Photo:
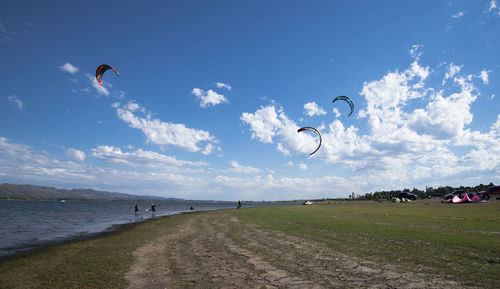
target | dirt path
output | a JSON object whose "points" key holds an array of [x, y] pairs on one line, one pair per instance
{"points": [[216, 251]]}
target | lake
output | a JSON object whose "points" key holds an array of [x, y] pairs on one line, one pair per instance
{"points": [[28, 225]]}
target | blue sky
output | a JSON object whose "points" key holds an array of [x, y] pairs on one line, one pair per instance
{"points": [[211, 94]]}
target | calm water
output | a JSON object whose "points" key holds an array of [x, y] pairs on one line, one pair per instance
{"points": [[26, 225]]}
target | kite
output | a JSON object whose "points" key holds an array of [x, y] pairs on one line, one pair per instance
{"points": [[348, 100], [100, 71], [316, 131]]}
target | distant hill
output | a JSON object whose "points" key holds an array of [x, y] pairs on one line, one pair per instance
{"points": [[32, 192]]}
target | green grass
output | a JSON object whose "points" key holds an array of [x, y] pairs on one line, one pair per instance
{"points": [[95, 263], [460, 240]]}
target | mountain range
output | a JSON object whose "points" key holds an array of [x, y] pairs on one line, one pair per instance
{"points": [[33, 192]]}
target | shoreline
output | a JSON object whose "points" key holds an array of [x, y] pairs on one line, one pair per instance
{"points": [[113, 229], [334, 245], [11, 251], [28, 250]]}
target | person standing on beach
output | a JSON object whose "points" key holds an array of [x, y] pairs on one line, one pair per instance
{"points": [[136, 209], [239, 204], [153, 210]]}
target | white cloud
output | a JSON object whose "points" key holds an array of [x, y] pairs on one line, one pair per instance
{"points": [[223, 85], [165, 133], [140, 158], [282, 149], [68, 67], [15, 100], [127, 175], [100, 89], [493, 8], [415, 51], [236, 167], [209, 148], [452, 71], [209, 97], [266, 124], [301, 166], [40, 167], [133, 107], [263, 123], [311, 109], [336, 112], [75, 154], [404, 144], [484, 76], [457, 15], [4, 34], [21, 160]]}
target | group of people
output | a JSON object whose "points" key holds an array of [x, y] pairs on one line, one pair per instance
{"points": [[153, 209]]}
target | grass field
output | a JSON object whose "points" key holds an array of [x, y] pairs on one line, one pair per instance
{"points": [[460, 241], [457, 240]]}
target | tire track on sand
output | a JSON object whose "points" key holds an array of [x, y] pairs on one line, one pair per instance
{"points": [[200, 254], [151, 268]]}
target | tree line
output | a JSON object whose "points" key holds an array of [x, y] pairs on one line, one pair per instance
{"points": [[429, 192]]}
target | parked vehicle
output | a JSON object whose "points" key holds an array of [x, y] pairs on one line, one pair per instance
{"points": [[406, 195], [493, 191], [460, 194]]}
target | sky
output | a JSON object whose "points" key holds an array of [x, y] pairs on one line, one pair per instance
{"points": [[211, 94]]}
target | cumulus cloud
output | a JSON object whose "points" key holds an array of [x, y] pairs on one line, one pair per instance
{"points": [[16, 101], [164, 133], [208, 98], [264, 123], [270, 122], [312, 109], [303, 166], [406, 142], [69, 68], [223, 85], [75, 154]]}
